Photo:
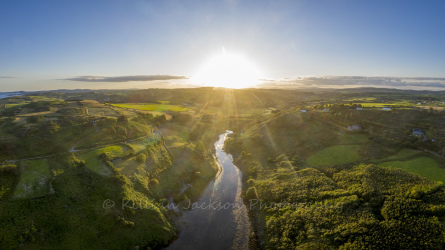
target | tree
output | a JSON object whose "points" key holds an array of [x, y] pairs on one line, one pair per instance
{"points": [[154, 182], [251, 193], [141, 158]]}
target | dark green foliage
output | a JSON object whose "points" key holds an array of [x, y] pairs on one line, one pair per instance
{"points": [[141, 158], [251, 182], [251, 193], [8, 169], [35, 119], [105, 156], [365, 207], [182, 118], [154, 182], [122, 119], [50, 128], [75, 216]]}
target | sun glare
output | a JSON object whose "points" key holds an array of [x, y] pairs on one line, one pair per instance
{"points": [[228, 71]]}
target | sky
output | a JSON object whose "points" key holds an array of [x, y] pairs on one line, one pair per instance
{"points": [[103, 44]]}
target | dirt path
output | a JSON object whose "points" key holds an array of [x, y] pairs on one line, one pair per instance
{"points": [[32, 158], [163, 141]]}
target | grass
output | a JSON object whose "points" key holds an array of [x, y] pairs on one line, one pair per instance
{"points": [[7, 106], [423, 166], [174, 141], [134, 130], [351, 138], [142, 144], [43, 98], [384, 104], [95, 164], [334, 155], [402, 154], [363, 99], [102, 111], [430, 134], [164, 102], [34, 180], [128, 167], [151, 107]]}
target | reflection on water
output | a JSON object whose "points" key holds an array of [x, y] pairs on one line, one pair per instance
{"points": [[219, 219]]}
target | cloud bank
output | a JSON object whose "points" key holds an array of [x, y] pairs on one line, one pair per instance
{"points": [[124, 78], [359, 81]]}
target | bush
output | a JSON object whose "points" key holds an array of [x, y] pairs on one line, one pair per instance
{"points": [[286, 164], [35, 119], [9, 169], [141, 158], [251, 182], [105, 156], [251, 193], [154, 182]]}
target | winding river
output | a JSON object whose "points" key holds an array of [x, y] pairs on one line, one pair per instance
{"points": [[218, 220]]}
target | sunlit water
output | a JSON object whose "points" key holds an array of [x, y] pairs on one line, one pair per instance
{"points": [[9, 94], [219, 219]]}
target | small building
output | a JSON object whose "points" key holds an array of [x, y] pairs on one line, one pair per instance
{"points": [[325, 110], [354, 127], [303, 110], [386, 108], [417, 132], [359, 108]]}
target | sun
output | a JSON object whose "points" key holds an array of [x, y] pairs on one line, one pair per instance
{"points": [[228, 71]]}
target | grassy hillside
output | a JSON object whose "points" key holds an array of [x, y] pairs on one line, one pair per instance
{"points": [[110, 191], [151, 107], [79, 214], [34, 180], [423, 166], [334, 155]]}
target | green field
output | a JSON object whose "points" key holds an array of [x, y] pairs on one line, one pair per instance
{"points": [[362, 99], [164, 102], [34, 180], [402, 154], [11, 105], [95, 164], [352, 138], [43, 98], [142, 144], [384, 104], [151, 107], [127, 167], [423, 166], [334, 155]]}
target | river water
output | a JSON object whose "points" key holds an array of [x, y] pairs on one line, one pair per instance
{"points": [[219, 218]]}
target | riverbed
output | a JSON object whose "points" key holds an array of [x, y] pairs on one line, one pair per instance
{"points": [[219, 219]]}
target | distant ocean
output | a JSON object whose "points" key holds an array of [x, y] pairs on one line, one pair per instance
{"points": [[9, 94]]}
